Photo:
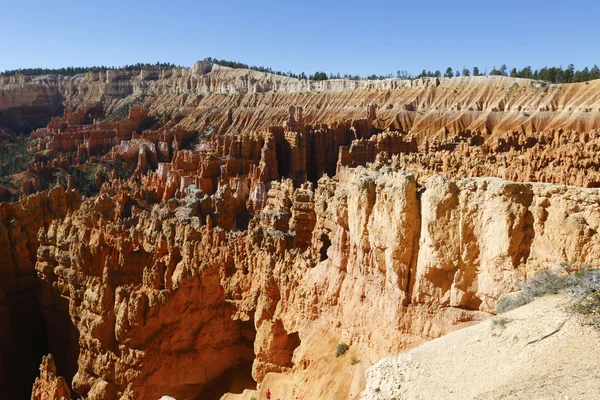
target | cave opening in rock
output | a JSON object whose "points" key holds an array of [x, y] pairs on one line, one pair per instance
{"points": [[293, 342], [235, 380], [63, 338], [311, 163], [283, 153], [239, 377], [30, 331], [325, 243], [242, 219]]}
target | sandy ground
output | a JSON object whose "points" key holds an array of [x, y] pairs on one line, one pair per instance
{"points": [[329, 377], [539, 351]]}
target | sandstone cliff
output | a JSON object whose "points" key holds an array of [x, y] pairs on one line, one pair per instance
{"points": [[23, 337], [237, 100], [148, 293], [19, 226]]}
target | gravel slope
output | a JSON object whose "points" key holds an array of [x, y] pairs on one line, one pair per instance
{"points": [[539, 351]]}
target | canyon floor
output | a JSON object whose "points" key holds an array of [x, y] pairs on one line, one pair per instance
{"points": [[211, 233]]}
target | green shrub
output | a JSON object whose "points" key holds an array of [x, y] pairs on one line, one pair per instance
{"points": [[509, 302], [121, 111], [15, 156], [544, 282], [355, 360], [500, 322], [589, 304], [583, 285], [587, 292], [341, 349]]}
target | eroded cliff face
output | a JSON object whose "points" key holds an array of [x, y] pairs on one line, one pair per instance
{"points": [[19, 226], [166, 303], [237, 100], [506, 230]]}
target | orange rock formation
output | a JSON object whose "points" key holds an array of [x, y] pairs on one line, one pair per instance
{"points": [[49, 386], [23, 335], [375, 256]]}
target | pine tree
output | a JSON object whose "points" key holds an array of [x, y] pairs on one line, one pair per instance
{"points": [[569, 74], [495, 71]]}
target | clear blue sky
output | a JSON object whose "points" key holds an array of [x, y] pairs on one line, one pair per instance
{"points": [[358, 37]]}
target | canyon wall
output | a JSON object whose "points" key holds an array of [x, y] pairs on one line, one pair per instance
{"points": [[481, 236], [165, 302], [19, 226], [238, 100]]}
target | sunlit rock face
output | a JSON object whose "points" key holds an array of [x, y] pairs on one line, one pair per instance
{"points": [[369, 252]]}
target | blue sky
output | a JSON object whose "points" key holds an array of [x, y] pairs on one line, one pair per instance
{"points": [[357, 37]]}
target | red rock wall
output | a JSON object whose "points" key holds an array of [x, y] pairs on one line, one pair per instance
{"points": [[161, 287], [19, 226]]}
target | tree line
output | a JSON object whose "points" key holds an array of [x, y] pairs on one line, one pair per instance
{"points": [[70, 71], [548, 74], [552, 74]]}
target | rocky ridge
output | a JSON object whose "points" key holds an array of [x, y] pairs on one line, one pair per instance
{"points": [[238, 100]]}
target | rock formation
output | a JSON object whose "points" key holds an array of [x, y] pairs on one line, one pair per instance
{"points": [[425, 107], [19, 226], [375, 257], [24, 334], [49, 386]]}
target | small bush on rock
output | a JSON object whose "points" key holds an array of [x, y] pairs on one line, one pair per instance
{"points": [[500, 322], [583, 283], [545, 282], [341, 349]]}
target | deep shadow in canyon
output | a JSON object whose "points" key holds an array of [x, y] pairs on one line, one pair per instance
{"points": [[29, 333]]}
